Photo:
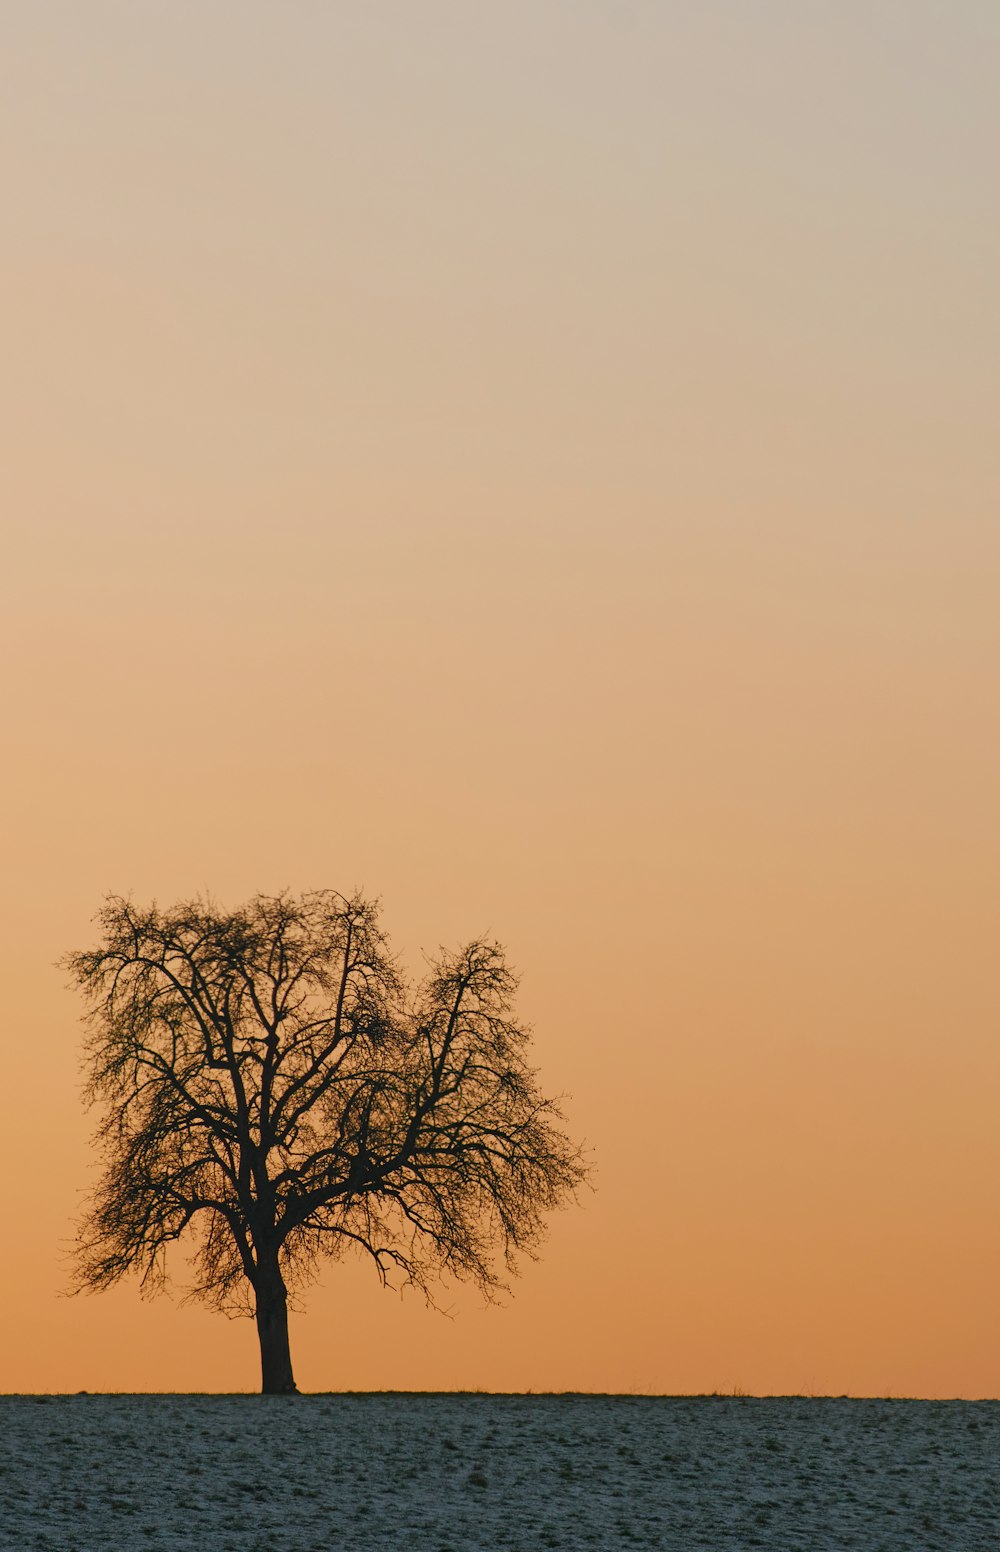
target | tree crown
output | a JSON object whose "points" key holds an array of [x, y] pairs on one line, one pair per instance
{"points": [[268, 1079]]}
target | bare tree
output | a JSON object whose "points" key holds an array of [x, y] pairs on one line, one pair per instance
{"points": [[267, 1079]]}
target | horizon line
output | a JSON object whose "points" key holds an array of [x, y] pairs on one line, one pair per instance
{"points": [[735, 1394]]}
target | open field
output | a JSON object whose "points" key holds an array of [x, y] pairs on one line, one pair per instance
{"points": [[448, 1473]]}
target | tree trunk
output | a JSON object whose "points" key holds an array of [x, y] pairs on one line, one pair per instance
{"points": [[272, 1329]]}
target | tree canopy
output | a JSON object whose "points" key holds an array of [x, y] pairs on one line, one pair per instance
{"points": [[272, 1087]]}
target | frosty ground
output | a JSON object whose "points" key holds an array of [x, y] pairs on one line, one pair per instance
{"points": [[456, 1473]]}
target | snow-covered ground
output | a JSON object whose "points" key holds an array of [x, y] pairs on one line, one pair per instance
{"points": [[457, 1473]]}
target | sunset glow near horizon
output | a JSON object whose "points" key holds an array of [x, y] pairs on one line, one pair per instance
{"points": [[537, 465]]}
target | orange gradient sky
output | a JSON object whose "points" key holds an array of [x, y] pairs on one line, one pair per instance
{"points": [[536, 463]]}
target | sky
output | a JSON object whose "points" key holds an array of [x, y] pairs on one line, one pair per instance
{"points": [[536, 464]]}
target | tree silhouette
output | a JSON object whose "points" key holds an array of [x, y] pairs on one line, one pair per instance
{"points": [[268, 1081]]}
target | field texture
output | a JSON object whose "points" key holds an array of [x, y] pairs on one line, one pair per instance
{"points": [[458, 1473]]}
